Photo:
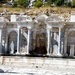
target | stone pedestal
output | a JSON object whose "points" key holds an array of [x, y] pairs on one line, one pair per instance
{"points": [[55, 48]]}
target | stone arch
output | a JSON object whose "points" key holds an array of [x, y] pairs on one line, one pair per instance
{"points": [[39, 40], [12, 29], [41, 18], [12, 36]]}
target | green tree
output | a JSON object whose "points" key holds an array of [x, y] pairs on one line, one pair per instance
{"points": [[73, 3], [14, 4], [38, 3], [23, 3], [68, 4], [49, 2], [59, 2]]}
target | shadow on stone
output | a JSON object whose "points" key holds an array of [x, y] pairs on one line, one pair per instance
{"points": [[13, 72], [30, 74], [1, 71]]}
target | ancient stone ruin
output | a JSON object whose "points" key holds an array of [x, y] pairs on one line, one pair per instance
{"points": [[52, 35]]}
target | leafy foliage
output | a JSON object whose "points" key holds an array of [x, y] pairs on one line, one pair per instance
{"points": [[14, 4], [38, 3], [49, 2], [59, 2], [73, 3], [68, 4], [23, 3]]}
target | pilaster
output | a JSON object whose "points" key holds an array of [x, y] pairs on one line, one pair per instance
{"points": [[18, 41]]}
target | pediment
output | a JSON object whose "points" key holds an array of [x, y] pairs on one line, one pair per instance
{"points": [[55, 19]]}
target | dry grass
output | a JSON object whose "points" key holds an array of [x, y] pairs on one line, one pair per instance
{"points": [[33, 9], [38, 10]]}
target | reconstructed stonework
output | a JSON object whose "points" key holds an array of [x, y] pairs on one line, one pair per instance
{"points": [[45, 35]]}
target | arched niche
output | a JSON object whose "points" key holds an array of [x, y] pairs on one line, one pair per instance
{"points": [[12, 36], [70, 40]]}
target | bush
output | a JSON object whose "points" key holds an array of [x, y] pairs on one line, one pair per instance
{"points": [[73, 3], [14, 4], [68, 4], [59, 2], [46, 5], [23, 3], [49, 2], [38, 3]]}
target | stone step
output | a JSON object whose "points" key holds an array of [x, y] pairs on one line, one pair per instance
{"points": [[37, 62]]}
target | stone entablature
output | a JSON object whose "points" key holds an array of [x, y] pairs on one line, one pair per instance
{"points": [[45, 35]]}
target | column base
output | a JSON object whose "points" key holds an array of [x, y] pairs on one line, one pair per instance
{"points": [[71, 55], [17, 52], [27, 53], [58, 54], [48, 54], [1, 53], [65, 54]]}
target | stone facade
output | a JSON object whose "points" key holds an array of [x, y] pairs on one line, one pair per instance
{"points": [[44, 35]]}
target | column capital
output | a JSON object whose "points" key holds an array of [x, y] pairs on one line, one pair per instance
{"points": [[48, 29], [29, 28], [60, 27]]}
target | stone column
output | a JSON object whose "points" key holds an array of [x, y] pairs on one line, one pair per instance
{"points": [[48, 40], [59, 42], [71, 50], [65, 44], [28, 41], [6, 44], [62, 47], [0, 41], [62, 42], [18, 41]]}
